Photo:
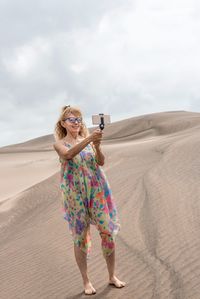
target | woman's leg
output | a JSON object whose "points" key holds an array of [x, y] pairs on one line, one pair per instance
{"points": [[81, 260], [108, 249], [110, 261]]}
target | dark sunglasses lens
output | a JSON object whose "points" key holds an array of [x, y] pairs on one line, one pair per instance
{"points": [[74, 119]]}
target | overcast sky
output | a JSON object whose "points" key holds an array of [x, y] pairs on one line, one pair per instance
{"points": [[119, 57]]}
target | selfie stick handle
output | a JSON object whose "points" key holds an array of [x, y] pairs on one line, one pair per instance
{"points": [[101, 125]]}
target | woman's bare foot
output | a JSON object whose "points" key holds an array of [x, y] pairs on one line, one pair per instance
{"points": [[116, 282], [89, 289]]}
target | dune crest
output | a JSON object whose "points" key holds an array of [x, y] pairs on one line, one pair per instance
{"points": [[152, 163]]}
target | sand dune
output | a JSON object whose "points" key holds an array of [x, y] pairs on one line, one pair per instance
{"points": [[153, 165], [21, 170]]}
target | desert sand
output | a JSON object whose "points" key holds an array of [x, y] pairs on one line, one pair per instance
{"points": [[153, 167]]}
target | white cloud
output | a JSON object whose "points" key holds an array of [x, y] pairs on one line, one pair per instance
{"points": [[26, 58], [78, 68], [119, 57]]}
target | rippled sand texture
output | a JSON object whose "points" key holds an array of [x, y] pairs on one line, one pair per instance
{"points": [[153, 166]]}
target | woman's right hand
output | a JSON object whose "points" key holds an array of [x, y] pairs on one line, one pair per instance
{"points": [[96, 135]]}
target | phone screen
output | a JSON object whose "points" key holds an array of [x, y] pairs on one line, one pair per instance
{"points": [[96, 119]]}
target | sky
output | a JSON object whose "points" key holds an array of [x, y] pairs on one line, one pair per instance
{"points": [[119, 57]]}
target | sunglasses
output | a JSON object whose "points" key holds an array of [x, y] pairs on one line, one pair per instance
{"points": [[73, 120]]}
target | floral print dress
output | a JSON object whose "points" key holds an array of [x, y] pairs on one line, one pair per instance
{"points": [[87, 199]]}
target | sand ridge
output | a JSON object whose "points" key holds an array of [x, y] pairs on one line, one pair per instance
{"points": [[152, 163]]}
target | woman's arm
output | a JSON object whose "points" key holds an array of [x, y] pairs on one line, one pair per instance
{"points": [[98, 154], [68, 154]]}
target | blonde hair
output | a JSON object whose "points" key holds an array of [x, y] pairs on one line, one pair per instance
{"points": [[60, 132]]}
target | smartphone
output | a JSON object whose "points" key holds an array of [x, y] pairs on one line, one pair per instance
{"points": [[100, 118]]}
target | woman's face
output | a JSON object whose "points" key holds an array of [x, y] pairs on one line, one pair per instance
{"points": [[72, 123]]}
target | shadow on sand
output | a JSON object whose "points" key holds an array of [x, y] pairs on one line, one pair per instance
{"points": [[100, 294]]}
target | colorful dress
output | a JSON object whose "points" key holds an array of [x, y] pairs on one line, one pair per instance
{"points": [[87, 199]]}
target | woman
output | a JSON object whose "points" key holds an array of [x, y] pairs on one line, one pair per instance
{"points": [[86, 195]]}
